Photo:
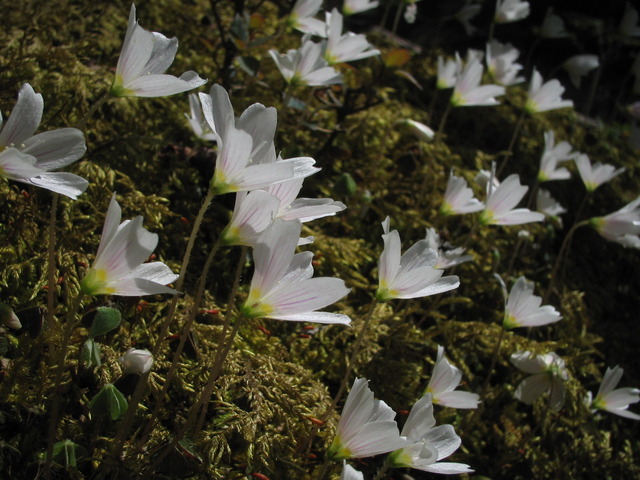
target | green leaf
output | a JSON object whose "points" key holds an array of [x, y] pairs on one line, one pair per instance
{"points": [[91, 353], [109, 401], [67, 452], [106, 319]]}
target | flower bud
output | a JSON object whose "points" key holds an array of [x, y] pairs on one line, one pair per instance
{"points": [[8, 317], [136, 361]]}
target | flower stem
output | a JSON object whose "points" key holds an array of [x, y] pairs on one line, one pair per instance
{"points": [[494, 360], [83, 121], [383, 469], [516, 132], [125, 425], [443, 121], [60, 364], [561, 254], [186, 330], [51, 274]]}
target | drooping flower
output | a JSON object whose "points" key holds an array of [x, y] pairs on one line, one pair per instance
{"points": [[595, 175], [301, 17], [136, 361], [547, 376], [468, 92], [552, 26], [118, 268], [523, 308], [448, 71], [348, 47], [501, 201], [282, 287], [466, 13], [629, 26], [546, 204], [8, 317], [622, 226], [28, 158], [458, 198], [306, 66], [580, 65], [350, 473], [429, 444], [443, 383], [446, 258], [366, 427], [351, 7], [501, 63], [508, 11], [545, 97], [615, 401], [412, 274], [553, 155], [418, 129], [144, 58]]}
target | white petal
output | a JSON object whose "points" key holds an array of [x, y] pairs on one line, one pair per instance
{"points": [[459, 399], [163, 85], [273, 254], [56, 148], [24, 119], [111, 223], [156, 272], [64, 183], [17, 165], [305, 296], [315, 317]]}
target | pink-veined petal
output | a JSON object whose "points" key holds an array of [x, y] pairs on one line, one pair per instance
{"points": [[161, 85], [56, 148], [532, 387], [273, 254]]}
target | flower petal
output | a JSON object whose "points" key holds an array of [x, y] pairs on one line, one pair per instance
{"points": [[56, 148], [24, 119]]}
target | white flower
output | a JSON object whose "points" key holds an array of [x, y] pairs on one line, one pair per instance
{"points": [[546, 204], [446, 258], [444, 380], [28, 158], [458, 198], [468, 91], [552, 26], [301, 17], [629, 24], [344, 48], [351, 7], [448, 71], [501, 64], [501, 201], [282, 287], [578, 66], [429, 444], [144, 58], [523, 307], [465, 14], [306, 66], [616, 401], [366, 427], [252, 214], [595, 175], [544, 97], [508, 11], [552, 155], [136, 361], [410, 12], [237, 171], [118, 267], [622, 226], [547, 375], [412, 274]]}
